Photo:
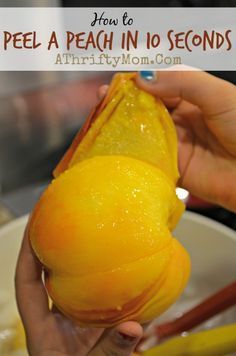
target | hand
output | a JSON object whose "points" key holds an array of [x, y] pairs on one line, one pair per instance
{"points": [[203, 108], [49, 333]]}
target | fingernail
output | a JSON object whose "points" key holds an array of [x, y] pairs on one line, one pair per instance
{"points": [[124, 339], [147, 75]]}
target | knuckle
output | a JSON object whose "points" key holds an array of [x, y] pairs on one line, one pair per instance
{"points": [[109, 351]]}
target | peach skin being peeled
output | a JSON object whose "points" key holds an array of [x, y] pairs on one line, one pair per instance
{"points": [[102, 229]]}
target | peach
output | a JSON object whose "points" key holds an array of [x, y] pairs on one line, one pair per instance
{"points": [[102, 229]]}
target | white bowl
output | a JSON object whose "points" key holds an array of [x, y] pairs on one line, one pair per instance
{"points": [[212, 248], [10, 240]]}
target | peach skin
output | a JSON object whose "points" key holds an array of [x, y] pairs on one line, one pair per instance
{"points": [[102, 229]]}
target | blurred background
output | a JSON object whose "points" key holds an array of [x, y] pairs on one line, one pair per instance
{"points": [[40, 112]]}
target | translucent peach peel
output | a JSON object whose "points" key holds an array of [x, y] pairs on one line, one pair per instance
{"points": [[128, 122], [102, 229]]}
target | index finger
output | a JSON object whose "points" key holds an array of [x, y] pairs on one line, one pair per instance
{"points": [[199, 88]]}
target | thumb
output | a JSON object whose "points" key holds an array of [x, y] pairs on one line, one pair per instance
{"points": [[211, 94], [120, 341]]}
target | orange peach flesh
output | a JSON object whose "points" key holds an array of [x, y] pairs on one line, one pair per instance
{"points": [[102, 228]]}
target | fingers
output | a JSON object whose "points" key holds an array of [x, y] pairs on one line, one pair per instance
{"points": [[120, 341], [30, 292], [171, 103], [206, 91], [102, 91]]}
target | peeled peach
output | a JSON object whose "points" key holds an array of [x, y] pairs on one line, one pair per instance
{"points": [[102, 229]]}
